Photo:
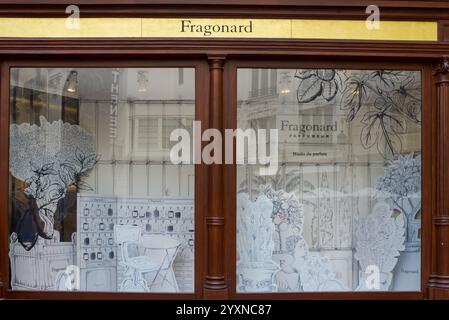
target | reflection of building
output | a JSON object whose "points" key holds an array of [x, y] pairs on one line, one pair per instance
{"points": [[144, 122]]}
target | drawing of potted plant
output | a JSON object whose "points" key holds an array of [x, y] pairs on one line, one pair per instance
{"points": [[47, 160], [401, 185]]}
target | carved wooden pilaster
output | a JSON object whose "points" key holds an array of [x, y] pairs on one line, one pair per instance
{"points": [[4, 185], [215, 286], [439, 276]]}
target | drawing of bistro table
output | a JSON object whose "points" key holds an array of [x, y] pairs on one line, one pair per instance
{"points": [[162, 250]]}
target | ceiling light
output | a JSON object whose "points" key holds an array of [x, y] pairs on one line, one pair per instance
{"points": [[72, 82], [142, 81]]}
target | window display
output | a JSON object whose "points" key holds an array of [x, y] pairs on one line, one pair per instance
{"points": [[96, 204], [342, 212]]}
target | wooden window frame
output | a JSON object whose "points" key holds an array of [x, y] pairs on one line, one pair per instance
{"points": [[231, 172], [201, 81]]}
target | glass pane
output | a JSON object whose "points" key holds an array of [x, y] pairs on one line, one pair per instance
{"points": [[340, 208], [95, 203]]}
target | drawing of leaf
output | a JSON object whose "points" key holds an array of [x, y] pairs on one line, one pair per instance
{"points": [[354, 95], [413, 110], [304, 73], [381, 104], [67, 173], [391, 143], [325, 74], [309, 89], [385, 80], [329, 89], [370, 131], [379, 129]]}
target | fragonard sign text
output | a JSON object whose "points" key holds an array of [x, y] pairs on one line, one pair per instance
{"points": [[306, 128], [208, 29]]}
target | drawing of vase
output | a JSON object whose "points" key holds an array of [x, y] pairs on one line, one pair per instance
{"points": [[255, 245], [257, 277], [407, 275]]}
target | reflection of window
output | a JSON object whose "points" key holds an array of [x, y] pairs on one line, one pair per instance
{"points": [[154, 133], [180, 76], [147, 133], [168, 126], [263, 82]]}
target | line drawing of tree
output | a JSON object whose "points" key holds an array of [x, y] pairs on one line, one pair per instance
{"points": [[401, 182], [62, 156]]}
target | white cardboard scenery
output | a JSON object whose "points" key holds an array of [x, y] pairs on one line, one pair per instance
{"points": [[255, 245], [380, 239], [401, 186], [37, 269], [299, 269]]}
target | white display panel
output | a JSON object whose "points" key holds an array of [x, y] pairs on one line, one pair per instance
{"points": [[98, 252]]}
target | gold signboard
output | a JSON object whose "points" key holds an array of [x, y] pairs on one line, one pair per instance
{"points": [[217, 28]]}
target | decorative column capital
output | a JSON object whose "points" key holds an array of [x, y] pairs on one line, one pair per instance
{"points": [[441, 70], [216, 61]]}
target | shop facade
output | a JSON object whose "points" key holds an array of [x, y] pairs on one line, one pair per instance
{"points": [[341, 190]]}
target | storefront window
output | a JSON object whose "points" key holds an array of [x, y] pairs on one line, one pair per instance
{"points": [[95, 203], [342, 210]]}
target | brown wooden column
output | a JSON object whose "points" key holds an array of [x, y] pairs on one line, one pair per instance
{"points": [[2, 285], [215, 286], [4, 184], [439, 276]]}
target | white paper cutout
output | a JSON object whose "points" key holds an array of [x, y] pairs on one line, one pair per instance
{"points": [[316, 273], [300, 270], [379, 239], [304, 271], [288, 218], [326, 214], [38, 268], [255, 244], [401, 183]]}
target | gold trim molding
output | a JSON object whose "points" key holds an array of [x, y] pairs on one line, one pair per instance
{"points": [[218, 28]]}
